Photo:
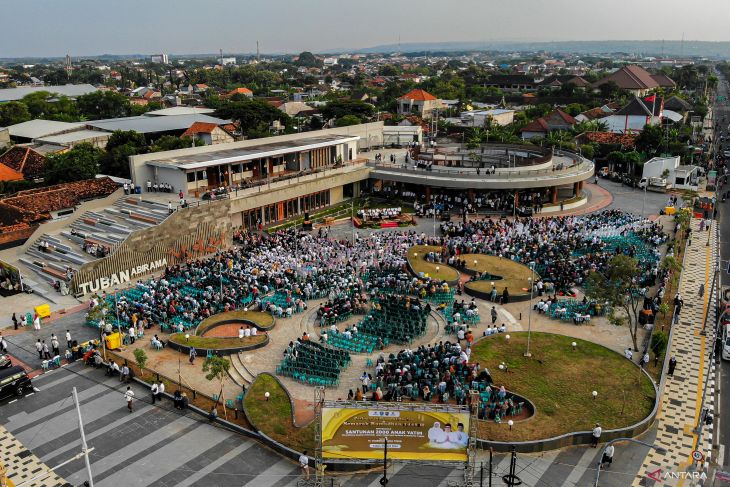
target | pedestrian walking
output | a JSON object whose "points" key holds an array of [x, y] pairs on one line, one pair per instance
{"points": [[154, 390], [494, 314], [129, 396], [672, 365], [596, 435], [160, 390], [607, 457], [702, 289], [39, 348], [69, 342], [644, 360], [192, 355], [124, 376], [304, 464], [37, 322], [15, 322], [46, 352], [23, 321], [55, 345]]}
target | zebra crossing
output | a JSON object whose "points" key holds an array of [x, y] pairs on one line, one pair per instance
{"points": [[157, 445]]}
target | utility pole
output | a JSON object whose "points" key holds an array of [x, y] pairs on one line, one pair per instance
{"points": [[490, 467], [84, 447], [384, 480]]}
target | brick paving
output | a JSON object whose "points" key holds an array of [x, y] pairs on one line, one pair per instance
{"points": [[682, 393], [22, 465]]}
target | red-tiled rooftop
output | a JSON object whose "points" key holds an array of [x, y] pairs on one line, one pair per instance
{"points": [[199, 128], [627, 140], [418, 95], [24, 160]]}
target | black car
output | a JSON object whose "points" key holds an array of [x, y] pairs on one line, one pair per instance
{"points": [[14, 381]]}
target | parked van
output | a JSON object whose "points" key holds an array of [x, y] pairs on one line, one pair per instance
{"points": [[14, 381]]}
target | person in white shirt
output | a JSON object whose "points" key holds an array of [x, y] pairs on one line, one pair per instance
{"points": [[128, 396], [240, 333], [596, 435], [160, 390], [304, 464], [607, 456], [154, 390], [253, 331], [68, 339], [247, 332]]}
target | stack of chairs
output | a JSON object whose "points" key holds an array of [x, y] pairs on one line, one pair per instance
{"points": [[315, 364]]}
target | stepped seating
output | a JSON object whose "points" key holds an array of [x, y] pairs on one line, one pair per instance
{"points": [[395, 323], [359, 343], [315, 364], [442, 297], [279, 299]]}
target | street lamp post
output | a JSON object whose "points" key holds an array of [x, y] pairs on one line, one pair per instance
{"points": [[531, 280]]}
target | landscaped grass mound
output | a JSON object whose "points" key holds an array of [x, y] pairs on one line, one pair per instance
{"points": [[559, 381], [274, 417], [261, 320], [514, 276], [416, 259]]}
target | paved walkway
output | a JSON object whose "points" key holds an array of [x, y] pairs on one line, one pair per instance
{"points": [[23, 466], [681, 401]]}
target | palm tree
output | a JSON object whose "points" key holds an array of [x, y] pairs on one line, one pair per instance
{"points": [[590, 126]]}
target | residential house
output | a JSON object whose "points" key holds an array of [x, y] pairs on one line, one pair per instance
{"points": [[418, 102], [241, 91], [553, 121], [664, 81], [478, 118], [634, 79], [638, 113], [679, 106], [594, 114], [557, 81], [512, 82], [297, 109], [24, 160], [620, 141], [209, 133]]}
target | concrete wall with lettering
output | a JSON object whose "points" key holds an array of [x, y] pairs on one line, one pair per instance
{"points": [[188, 233]]}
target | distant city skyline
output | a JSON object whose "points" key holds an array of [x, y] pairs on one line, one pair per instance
{"points": [[52, 28]]}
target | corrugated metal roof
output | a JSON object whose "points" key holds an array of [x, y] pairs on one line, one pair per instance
{"points": [[148, 125], [71, 137], [179, 111], [14, 94], [33, 129]]}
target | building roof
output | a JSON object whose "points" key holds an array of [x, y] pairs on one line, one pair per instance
{"points": [[224, 153], [33, 129], [538, 125], [76, 136], [596, 113], [294, 108], [559, 80], [418, 95], [179, 111], [9, 174], [511, 79], [240, 91], [72, 91], [663, 80], [150, 125], [677, 104], [24, 160], [639, 106], [200, 128], [631, 77]]}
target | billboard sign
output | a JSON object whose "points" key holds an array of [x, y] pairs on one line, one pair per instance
{"points": [[357, 431]]}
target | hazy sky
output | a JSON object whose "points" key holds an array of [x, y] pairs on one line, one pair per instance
{"points": [[88, 27]]}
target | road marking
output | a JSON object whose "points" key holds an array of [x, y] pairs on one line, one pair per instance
{"points": [[36, 389], [29, 394], [14, 400]]}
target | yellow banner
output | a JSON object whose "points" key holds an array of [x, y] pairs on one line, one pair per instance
{"points": [[349, 433]]}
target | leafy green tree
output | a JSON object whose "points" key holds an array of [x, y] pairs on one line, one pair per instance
{"points": [[170, 142], [343, 107], [348, 120], [42, 104], [216, 368], [104, 104], [120, 146], [140, 357], [13, 112], [619, 288], [649, 139], [81, 162], [307, 59], [251, 114]]}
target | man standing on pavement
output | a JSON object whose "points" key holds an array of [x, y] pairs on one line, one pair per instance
{"points": [[672, 365], [39, 348], [494, 314], [160, 390], [68, 339], [124, 376], [304, 464], [55, 345], [154, 392], [128, 396], [46, 352], [596, 435], [607, 456]]}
